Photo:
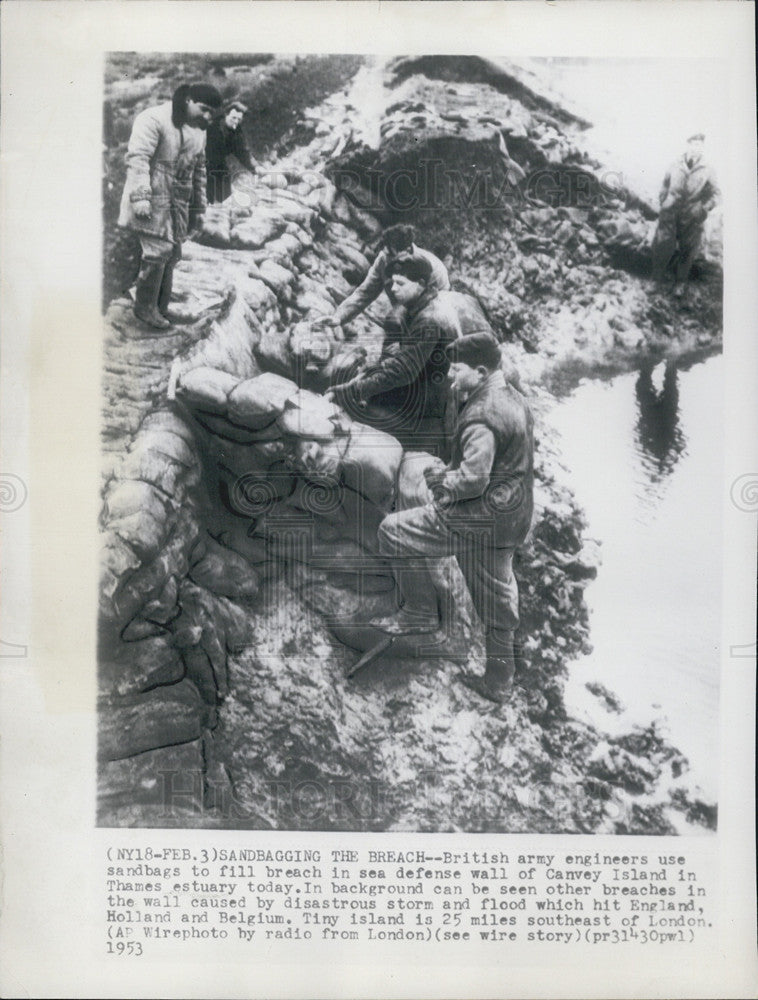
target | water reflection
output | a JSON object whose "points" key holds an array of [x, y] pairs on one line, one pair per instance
{"points": [[658, 434]]}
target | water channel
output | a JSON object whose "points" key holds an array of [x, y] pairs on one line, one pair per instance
{"points": [[645, 451]]}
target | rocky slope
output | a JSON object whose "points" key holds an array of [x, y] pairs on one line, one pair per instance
{"points": [[239, 511]]}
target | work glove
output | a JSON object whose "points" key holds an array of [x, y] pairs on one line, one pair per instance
{"points": [[142, 209]]}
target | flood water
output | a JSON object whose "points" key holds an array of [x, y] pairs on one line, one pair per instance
{"points": [[644, 451]]}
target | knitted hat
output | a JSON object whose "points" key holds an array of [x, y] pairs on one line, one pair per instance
{"points": [[474, 350]]}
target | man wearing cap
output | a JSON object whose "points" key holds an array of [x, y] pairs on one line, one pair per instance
{"points": [[397, 244], [405, 392], [226, 152], [688, 194], [480, 511], [164, 195]]}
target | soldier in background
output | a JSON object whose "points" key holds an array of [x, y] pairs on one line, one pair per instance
{"points": [[688, 194]]}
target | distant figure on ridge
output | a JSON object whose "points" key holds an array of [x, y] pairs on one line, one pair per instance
{"points": [[688, 194], [164, 195]]}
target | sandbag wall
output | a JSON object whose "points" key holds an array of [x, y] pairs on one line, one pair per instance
{"points": [[172, 599]]}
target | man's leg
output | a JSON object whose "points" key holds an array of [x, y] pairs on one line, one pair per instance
{"points": [[690, 238], [489, 576], [664, 246], [167, 282], [155, 255], [409, 539]]}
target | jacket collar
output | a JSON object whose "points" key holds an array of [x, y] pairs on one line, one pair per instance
{"points": [[495, 380]]}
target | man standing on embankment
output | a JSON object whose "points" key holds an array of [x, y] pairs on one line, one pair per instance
{"points": [[688, 194], [164, 197]]}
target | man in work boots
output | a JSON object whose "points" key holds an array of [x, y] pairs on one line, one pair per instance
{"points": [[164, 195], [688, 194], [480, 512], [405, 392]]}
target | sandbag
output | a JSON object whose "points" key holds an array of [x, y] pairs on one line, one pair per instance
{"points": [[216, 231], [224, 428], [322, 458], [223, 571], [308, 415], [253, 232], [131, 496], [206, 388], [468, 314], [259, 401], [371, 464], [309, 344], [412, 490]]}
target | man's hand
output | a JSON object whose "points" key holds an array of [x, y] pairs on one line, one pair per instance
{"points": [[434, 476], [701, 213], [339, 394], [142, 209]]}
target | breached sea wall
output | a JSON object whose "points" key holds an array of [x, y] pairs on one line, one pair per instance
{"points": [[223, 692]]}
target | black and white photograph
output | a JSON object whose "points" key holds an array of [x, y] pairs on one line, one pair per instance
{"points": [[378, 498], [412, 424]]}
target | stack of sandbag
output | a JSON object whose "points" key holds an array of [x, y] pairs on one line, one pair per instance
{"points": [[295, 482]]}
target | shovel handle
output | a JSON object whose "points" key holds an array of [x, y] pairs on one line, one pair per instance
{"points": [[372, 654]]}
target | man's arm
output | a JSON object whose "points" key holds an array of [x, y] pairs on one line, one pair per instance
{"points": [[143, 143], [668, 197], [369, 289], [199, 201], [472, 477], [239, 155], [712, 192], [400, 368]]}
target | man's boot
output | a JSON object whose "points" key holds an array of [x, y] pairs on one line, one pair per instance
{"points": [[146, 294], [419, 611], [164, 295], [497, 683]]}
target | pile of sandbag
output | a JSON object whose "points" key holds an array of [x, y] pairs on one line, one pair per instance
{"points": [[295, 483]]}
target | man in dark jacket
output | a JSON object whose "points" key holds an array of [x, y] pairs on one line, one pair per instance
{"points": [[688, 194], [480, 510], [226, 152], [164, 193], [405, 392]]}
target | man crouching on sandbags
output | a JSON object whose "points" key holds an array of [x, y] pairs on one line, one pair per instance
{"points": [[481, 510], [405, 392]]}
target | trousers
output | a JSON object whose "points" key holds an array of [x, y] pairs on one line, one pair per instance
{"points": [[680, 234], [159, 251], [410, 538]]}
